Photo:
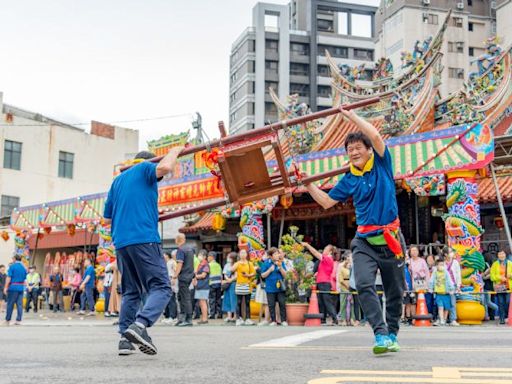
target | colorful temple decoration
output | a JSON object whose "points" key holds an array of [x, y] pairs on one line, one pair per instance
{"points": [[21, 247], [433, 185]]}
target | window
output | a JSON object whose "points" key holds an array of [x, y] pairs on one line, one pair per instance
{"points": [[323, 70], [270, 109], [66, 160], [300, 89], [470, 27], [299, 69], [271, 46], [456, 73], [471, 51], [252, 45], [470, 3], [250, 87], [8, 204], [251, 66], [457, 22], [341, 52], [271, 67], [299, 49], [12, 155], [363, 54], [324, 91], [250, 108], [456, 46], [271, 84], [361, 25], [430, 18], [325, 25]]}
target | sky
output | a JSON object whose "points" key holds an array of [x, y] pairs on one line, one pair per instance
{"points": [[120, 60]]}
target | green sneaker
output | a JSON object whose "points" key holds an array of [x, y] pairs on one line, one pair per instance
{"points": [[382, 344], [394, 347]]}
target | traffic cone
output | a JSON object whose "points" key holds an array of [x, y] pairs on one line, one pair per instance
{"points": [[509, 320], [422, 317], [313, 317]]}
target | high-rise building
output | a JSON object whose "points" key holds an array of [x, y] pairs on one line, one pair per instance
{"points": [[401, 23], [285, 49]]}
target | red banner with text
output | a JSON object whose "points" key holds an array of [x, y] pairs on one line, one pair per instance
{"points": [[188, 192]]}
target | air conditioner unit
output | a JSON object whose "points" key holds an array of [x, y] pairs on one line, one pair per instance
{"points": [[460, 44], [460, 5], [493, 5], [425, 17], [426, 2], [460, 72]]}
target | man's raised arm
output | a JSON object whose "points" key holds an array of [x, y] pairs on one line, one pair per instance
{"points": [[368, 129]]}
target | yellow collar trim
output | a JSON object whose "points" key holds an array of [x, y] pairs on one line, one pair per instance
{"points": [[367, 167]]}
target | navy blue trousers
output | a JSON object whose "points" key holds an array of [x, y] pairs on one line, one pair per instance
{"points": [[14, 297], [143, 270]]}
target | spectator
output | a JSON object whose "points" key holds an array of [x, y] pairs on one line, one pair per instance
{"points": [[114, 306], [359, 318], [490, 307], [171, 310], [202, 289], [195, 302], [3, 277], [13, 289], [273, 271], [33, 284], [87, 289], [324, 281], [419, 270], [501, 276], [56, 280], [245, 273], [409, 300], [228, 286], [184, 275], [107, 287], [429, 296], [261, 295], [441, 284], [215, 286], [346, 300], [336, 255], [75, 287], [453, 268]]}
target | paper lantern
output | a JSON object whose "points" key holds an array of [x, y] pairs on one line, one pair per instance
{"points": [[498, 221], [71, 229], [5, 236], [286, 200], [48, 230], [218, 222]]}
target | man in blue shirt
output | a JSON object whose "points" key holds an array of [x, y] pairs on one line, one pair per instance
{"points": [[132, 209], [14, 287], [273, 271], [378, 243], [87, 288]]}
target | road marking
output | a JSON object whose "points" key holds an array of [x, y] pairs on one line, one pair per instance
{"points": [[263, 346], [295, 340], [445, 375]]}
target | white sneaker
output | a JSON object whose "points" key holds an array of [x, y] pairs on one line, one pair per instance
{"points": [[249, 322], [91, 314], [226, 319], [454, 324], [442, 323], [284, 324], [263, 323], [436, 323], [272, 324], [80, 313], [240, 322], [168, 321]]}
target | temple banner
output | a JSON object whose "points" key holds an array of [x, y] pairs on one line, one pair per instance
{"points": [[189, 192]]}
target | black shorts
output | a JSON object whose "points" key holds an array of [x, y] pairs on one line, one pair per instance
{"points": [[409, 298]]}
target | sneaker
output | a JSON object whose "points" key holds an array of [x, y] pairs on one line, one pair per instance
{"points": [[284, 324], [272, 324], [91, 314], [502, 322], [240, 322], [17, 323], [249, 322], [125, 347], [186, 323], [442, 323], [80, 313], [226, 319], [263, 323], [436, 323], [394, 347], [168, 321], [382, 344], [454, 324], [202, 322], [106, 314], [139, 336]]}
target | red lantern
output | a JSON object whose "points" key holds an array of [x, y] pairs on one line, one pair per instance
{"points": [[71, 229], [498, 222], [286, 200], [5, 236], [47, 230]]}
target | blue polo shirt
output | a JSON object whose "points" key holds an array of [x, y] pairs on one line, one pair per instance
{"points": [[18, 275], [89, 271], [132, 204], [373, 192], [272, 279]]}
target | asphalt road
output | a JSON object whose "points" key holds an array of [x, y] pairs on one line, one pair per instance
{"points": [[86, 351]]}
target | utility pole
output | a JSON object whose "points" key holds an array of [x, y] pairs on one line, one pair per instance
{"points": [[197, 124]]}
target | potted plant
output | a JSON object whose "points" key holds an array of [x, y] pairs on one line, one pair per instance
{"points": [[299, 281]]}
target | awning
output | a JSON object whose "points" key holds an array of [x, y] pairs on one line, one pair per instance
{"points": [[203, 224], [62, 239]]}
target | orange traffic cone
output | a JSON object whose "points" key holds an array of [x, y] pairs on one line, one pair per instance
{"points": [[422, 317], [313, 317], [509, 320]]}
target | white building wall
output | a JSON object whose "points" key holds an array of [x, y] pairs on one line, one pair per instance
{"points": [[504, 23]]}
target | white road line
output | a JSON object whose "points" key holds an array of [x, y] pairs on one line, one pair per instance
{"points": [[295, 340]]}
